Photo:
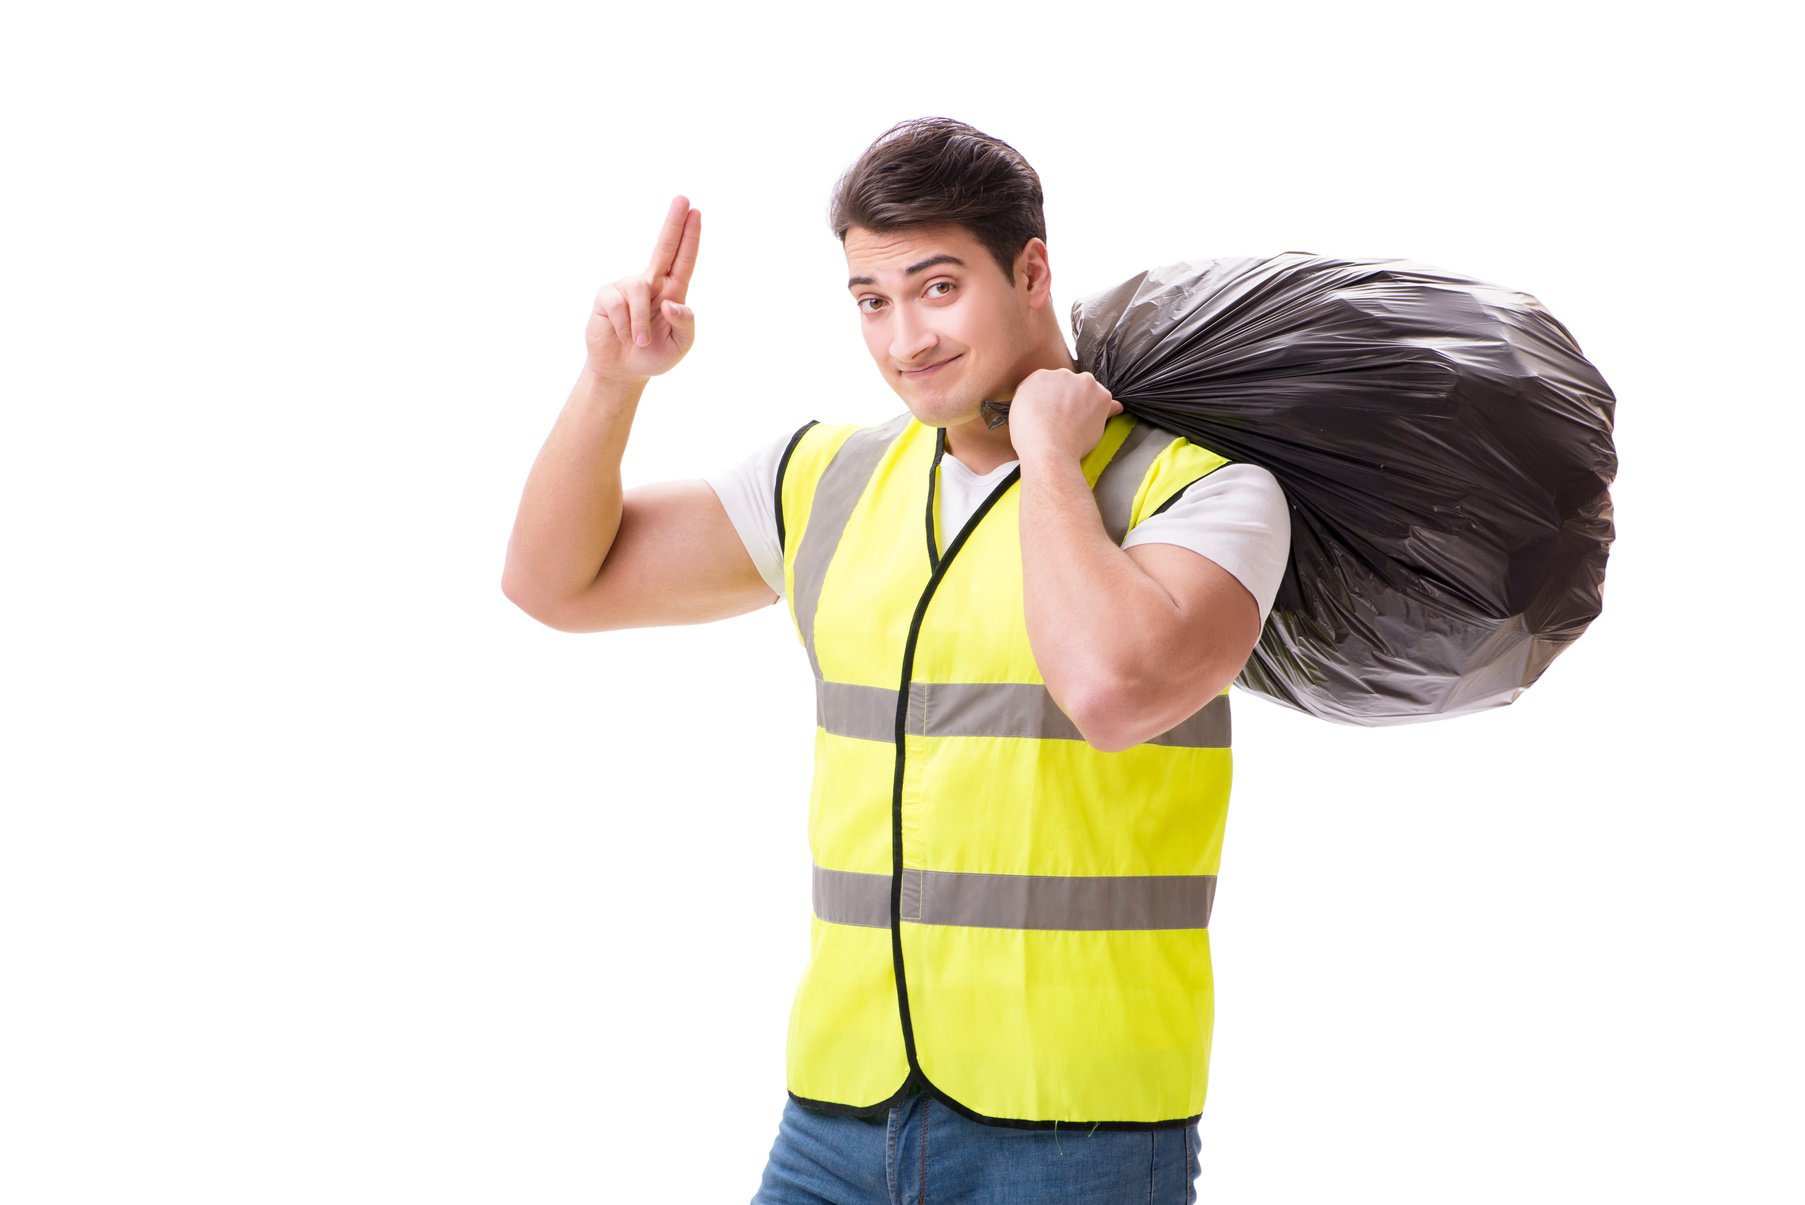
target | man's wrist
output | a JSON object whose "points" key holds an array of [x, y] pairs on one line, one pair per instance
{"points": [[1039, 462], [601, 388]]}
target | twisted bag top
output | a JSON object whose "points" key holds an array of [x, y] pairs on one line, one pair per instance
{"points": [[1445, 447]]}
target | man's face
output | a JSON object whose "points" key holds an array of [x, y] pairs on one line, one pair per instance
{"points": [[945, 326]]}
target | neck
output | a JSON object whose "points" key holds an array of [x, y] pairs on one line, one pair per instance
{"points": [[982, 443]]}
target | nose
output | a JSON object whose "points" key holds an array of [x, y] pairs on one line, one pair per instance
{"points": [[910, 339]]}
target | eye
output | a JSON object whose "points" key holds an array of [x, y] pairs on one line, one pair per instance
{"points": [[947, 284], [869, 309]]}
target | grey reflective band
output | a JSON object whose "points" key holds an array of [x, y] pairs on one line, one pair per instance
{"points": [[865, 712], [1018, 901], [836, 494], [847, 897], [986, 709], [1121, 478], [1205, 728]]}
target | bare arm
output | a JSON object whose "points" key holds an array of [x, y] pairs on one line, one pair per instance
{"points": [[585, 558], [1129, 642]]}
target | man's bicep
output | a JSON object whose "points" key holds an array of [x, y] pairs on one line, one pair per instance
{"points": [[677, 559], [1218, 619]]}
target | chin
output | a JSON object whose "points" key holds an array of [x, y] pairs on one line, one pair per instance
{"points": [[948, 416], [938, 412]]}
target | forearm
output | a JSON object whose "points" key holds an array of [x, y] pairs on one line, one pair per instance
{"points": [[571, 506], [1095, 619]]}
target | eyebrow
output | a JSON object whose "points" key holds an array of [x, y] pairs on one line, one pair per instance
{"points": [[912, 269]]}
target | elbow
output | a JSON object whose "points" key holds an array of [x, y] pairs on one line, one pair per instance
{"points": [[517, 592], [516, 584], [1113, 716], [1105, 715], [510, 590], [1110, 742], [538, 607]]}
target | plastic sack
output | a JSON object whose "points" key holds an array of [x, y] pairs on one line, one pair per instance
{"points": [[1445, 448]]}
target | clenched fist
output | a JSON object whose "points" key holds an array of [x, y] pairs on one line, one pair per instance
{"points": [[1059, 413], [640, 327]]}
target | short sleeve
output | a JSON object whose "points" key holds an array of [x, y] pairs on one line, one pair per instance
{"points": [[1236, 516], [748, 493]]}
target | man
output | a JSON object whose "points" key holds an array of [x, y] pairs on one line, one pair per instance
{"points": [[1022, 609]]}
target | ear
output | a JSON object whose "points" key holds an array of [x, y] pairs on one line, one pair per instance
{"points": [[1033, 273]]}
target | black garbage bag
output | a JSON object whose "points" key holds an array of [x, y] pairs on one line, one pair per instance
{"points": [[1445, 448]]}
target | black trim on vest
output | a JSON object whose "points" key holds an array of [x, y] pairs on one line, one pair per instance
{"points": [[1176, 1123], [830, 1106], [912, 1084], [1176, 495], [902, 715], [933, 478], [782, 465]]}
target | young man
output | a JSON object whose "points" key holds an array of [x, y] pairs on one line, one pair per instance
{"points": [[1022, 609]]}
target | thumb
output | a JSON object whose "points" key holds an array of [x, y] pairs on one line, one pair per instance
{"points": [[683, 323]]}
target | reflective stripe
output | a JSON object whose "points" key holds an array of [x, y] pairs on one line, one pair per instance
{"points": [[836, 494], [1205, 728], [865, 712], [847, 897], [986, 709], [1120, 479], [1018, 901]]}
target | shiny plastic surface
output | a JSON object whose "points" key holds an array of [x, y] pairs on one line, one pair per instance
{"points": [[1445, 447]]}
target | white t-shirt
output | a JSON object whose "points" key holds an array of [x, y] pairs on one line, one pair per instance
{"points": [[1237, 516]]}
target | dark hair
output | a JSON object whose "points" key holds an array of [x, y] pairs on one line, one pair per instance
{"points": [[937, 170]]}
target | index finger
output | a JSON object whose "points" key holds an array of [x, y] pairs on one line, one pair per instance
{"points": [[669, 237], [685, 263]]}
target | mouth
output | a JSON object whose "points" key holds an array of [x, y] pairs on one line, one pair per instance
{"points": [[919, 373]]}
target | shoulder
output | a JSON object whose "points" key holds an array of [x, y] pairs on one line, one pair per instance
{"points": [[1233, 513], [1166, 463], [1186, 475], [755, 473], [815, 446], [763, 490]]}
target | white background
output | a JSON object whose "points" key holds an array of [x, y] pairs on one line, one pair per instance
{"points": [[328, 875]]}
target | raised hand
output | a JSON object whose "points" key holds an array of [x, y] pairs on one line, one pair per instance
{"points": [[640, 326]]}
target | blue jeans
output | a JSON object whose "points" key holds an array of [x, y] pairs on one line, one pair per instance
{"points": [[923, 1151]]}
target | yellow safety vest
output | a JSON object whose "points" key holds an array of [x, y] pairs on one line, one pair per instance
{"points": [[1004, 915]]}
